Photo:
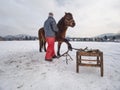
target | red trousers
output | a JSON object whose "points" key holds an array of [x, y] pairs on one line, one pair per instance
{"points": [[50, 48]]}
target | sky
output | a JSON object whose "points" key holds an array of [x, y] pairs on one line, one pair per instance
{"points": [[92, 17]]}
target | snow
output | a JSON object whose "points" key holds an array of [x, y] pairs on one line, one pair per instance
{"points": [[22, 67]]}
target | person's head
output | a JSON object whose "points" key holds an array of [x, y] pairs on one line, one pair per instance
{"points": [[50, 14]]}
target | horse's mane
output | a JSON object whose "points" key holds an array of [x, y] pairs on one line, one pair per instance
{"points": [[61, 25], [61, 21]]}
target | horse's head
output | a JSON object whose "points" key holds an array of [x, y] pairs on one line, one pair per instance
{"points": [[68, 20]]}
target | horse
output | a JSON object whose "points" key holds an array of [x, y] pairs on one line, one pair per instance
{"points": [[63, 24]]}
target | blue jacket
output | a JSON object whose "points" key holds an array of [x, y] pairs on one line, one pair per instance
{"points": [[50, 27]]}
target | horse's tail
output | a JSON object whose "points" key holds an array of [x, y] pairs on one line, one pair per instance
{"points": [[41, 38]]}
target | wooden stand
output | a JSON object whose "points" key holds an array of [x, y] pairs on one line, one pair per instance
{"points": [[93, 53]]}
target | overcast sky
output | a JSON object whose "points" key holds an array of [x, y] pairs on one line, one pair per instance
{"points": [[92, 17]]}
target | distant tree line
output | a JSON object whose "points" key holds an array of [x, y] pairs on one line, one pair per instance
{"points": [[98, 39], [105, 38], [18, 37]]}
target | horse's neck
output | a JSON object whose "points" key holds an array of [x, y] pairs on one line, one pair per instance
{"points": [[61, 25]]}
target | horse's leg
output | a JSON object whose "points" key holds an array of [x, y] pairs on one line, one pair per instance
{"points": [[58, 51], [44, 43], [69, 45], [59, 45], [40, 45]]}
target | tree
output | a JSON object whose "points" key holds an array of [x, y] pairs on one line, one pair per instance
{"points": [[113, 38], [105, 37]]}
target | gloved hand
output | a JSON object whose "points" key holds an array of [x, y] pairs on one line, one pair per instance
{"points": [[69, 47]]}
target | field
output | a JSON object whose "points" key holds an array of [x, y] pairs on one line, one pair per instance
{"points": [[22, 67]]}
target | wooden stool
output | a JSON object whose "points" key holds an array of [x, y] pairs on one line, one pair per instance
{"points": [[94, 53]]}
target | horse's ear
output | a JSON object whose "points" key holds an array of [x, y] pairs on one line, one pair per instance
{"points": [[65, 13]]}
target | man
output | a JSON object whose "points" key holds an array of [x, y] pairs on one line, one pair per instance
{"points": [[50, 28]]}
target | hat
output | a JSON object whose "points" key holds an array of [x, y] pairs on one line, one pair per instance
{"points": [[50, 14]]}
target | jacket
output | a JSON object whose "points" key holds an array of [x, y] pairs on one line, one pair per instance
{"points": [[50, 27]]}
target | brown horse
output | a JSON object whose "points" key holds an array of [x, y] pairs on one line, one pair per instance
{"points": [[65, 22]]}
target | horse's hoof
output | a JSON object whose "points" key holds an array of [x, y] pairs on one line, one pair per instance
{"points": [[70, 49], [40, 50], [58, 55]]}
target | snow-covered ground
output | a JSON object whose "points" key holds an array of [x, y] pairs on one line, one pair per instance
{"points": [[22, 67]]}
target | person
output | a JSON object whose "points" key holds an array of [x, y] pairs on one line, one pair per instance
{"points": [[50, 28]]}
